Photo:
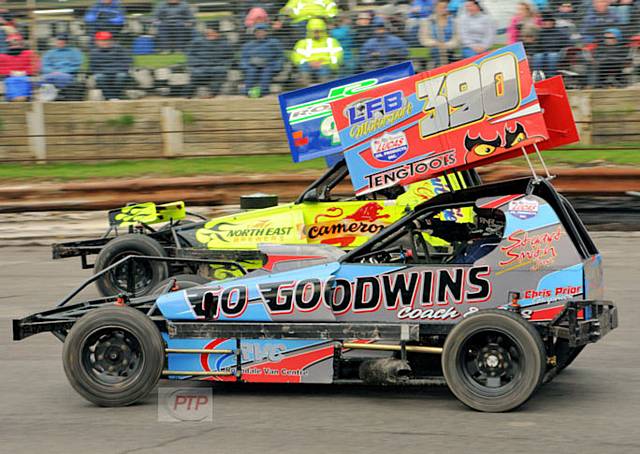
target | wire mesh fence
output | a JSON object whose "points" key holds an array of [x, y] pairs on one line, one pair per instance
{"points": [[129, 49], [187, 67]]}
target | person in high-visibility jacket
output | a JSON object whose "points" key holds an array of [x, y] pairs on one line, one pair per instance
{"points": [[302, 10], [318, 55]]}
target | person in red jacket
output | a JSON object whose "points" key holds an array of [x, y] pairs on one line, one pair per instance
{"points": [[16, 65], [18, 59]]}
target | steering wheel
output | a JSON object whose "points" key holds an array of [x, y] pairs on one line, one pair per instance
{"points": [[419, 244], [385, 255]]}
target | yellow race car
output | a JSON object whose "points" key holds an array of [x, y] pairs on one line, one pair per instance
{"points": [[325, 213]]}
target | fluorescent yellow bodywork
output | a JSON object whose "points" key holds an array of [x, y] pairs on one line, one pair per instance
{"points": [[147, 213], [346, 224]]}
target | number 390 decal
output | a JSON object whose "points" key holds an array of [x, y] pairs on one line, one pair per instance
{"points": [[467, 94]]}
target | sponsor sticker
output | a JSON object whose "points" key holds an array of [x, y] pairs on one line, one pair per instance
{"points": [[390, 147], [524, 208]]}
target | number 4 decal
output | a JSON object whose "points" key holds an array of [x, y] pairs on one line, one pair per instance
{"points": [[468, 94]]}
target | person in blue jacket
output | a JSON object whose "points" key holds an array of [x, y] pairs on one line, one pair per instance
{"points": [[261, 60], [382, 49], [599, 18], [344, 34], [61, 64], [106, 16]]}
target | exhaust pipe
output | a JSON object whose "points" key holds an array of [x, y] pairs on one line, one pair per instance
{"points": [[385, 371]]}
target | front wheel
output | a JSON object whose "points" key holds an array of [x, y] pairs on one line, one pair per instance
{"points": [[113, 356], [493, 361]]}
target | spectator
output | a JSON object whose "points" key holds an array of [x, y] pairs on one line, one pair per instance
{"points": [[343, 33], [525, 16], [110, 64], [419, 10], [438, 33], [303, 10], [175, 22], [383, 48], [61, 64], [105, 15], [549, 43], [254, 17], [623, 9], [566, 17], [7, 27], [16, 65], [261, 59], [363, 27], [610, 59], [317, 56], [475, 28], [208, 60], [599, 18]]}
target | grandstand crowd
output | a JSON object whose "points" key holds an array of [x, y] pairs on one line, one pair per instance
{"points": [[258, 48]]}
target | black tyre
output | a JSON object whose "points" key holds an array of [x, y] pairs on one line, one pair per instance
{"points": [[182, 281], [148, 274], [113, 356], [493, 361]]}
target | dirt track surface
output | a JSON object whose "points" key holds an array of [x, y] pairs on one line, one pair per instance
{"points": [[593, 407]]}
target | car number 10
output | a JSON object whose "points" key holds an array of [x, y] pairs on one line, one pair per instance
{"points": [[468, 94]]}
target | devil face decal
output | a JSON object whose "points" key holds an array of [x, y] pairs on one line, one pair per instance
{"points": [[513, 138], [479, 148]]}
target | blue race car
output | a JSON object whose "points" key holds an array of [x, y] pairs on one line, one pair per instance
{"points": [[504, 303]]}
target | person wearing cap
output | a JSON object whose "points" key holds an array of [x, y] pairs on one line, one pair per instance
{"points": [[109, 63], [175, 22], [317, 56], [209, 59], [61, 64], [383, 48], [105, 15], [16, 65], [549, 42], [261, 59], [476, 29], [610, 59], [304, 10]]}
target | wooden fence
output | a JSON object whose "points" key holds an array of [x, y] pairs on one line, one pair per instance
{"points": [[222, 126]]}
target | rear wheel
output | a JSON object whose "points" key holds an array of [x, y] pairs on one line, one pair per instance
{"points": [[182, 281], [493, 361], [113, 356], [145, 273]]}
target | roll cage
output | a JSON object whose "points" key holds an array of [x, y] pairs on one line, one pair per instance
{"points": [[530, 186]]}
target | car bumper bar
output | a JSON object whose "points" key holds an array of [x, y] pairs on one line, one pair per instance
{"points": [[584, 322]]}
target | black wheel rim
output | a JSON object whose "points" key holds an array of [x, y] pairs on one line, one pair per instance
{"points": [[139, 270], [112, 355], [491, 362]]}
